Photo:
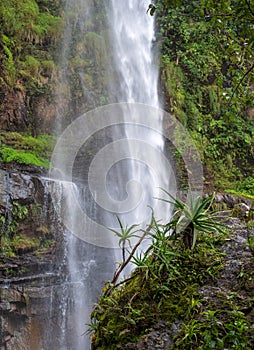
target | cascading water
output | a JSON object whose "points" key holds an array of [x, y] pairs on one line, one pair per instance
{"points": [[132, 33], [134, 56], [134, 80]]}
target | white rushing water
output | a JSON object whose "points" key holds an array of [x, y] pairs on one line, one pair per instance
{"points": [[135, 80], [134, 55], [132, 33]]}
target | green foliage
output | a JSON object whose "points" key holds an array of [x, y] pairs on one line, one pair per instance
{"points": [[87, 61], [162, 287], [204, 57], [125, 235], [30, 67], [25, 149], [8, 63], [218, 329], [243, 188], [27, 29], [166, 286], [11, 155], [246, 186], [251, 243], [189, 220], [250, 230], [41, 145], [17, 241], [9, 223], [18, 244], [25, 21]]}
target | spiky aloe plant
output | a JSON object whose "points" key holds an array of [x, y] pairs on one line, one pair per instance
{"points": [[189, 220], [125, 234]]}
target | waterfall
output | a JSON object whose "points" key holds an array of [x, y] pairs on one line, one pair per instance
{"points": [[134, 163], [132, 34], [134, 56]]}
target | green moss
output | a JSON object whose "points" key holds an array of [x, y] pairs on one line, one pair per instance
{"points": [[246, 186], [243, 188], [25, 149], [15, 240], [11, 155], [222, 325], [20, 244]]}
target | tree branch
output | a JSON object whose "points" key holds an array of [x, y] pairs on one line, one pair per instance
{"points": [[249, 7], [123, 265], [240, 82]]}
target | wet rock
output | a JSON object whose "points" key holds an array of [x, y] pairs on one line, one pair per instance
{"points": [[45, 114], [219, 198], [5, 306], [28, 281], [160, 337], [21, 187], [230, 201], [25, 303], [241, 210]]}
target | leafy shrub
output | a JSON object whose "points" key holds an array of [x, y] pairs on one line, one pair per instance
{"points": [[246, 186], [164, 284], [201, 74], [243, 188], [41, 145]]}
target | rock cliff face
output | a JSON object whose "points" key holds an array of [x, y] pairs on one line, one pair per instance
{"points": [[24, 309], [46, 288], [22, 186], [18, 112], [29, 277], [14, 111]]}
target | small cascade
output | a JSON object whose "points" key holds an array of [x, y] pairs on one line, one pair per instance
{"points": [[83, 270]]}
